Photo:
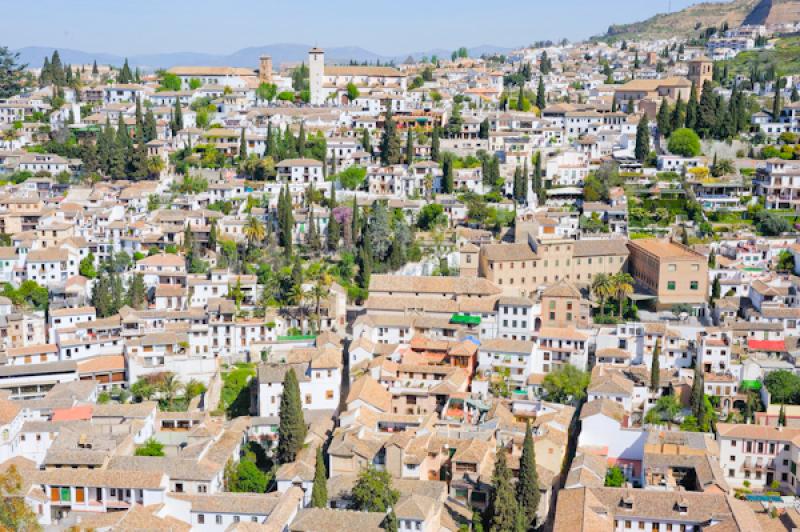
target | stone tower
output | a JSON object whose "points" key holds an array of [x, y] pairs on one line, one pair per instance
{"points": [[265, 69], [316, 71], [700, 70]]}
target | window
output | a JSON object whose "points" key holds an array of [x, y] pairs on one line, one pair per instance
{"points": [[201, 519], [671, 267], [670, 285], [329, 394], [236, 518], [693, 285], [308, 398], [219, 519]]}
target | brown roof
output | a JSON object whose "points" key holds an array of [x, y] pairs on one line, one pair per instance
{"points": [[371, 392]]}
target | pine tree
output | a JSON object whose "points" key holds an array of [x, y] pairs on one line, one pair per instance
{"points": [[137, 292], [655, 370], [242, 147], [57, 70], [541, 95], [409, 147], [664, 119], [504, 505], [292, 425], [319, 491], [528, 484], [435, 144], [642, 148]]}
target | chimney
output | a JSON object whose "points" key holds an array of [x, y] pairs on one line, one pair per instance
{"points": [[265, 69]]}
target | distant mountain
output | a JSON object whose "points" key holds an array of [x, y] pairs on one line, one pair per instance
{"points": [[686, 23], [246, 57]]}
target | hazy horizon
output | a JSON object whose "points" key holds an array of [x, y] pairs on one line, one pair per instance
{"points": [[177, 26]]}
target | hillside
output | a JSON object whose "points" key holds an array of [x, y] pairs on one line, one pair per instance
{"points": [[685, 23], [785, 57]]}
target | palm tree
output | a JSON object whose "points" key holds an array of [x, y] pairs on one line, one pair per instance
{"points": [[193, 388], [254, 230], [623, 287], [170, 387], [602, 289], [155, 165], [319, 291]]}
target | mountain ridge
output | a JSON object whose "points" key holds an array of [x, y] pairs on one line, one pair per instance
{"points": [[244, 57]]}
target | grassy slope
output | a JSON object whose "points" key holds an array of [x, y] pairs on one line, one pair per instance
{"points": [[785, 57], [682, 23]]}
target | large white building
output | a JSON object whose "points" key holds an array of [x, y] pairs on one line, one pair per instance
{"points": [[330, 83]]}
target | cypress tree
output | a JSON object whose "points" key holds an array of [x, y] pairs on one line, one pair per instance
{"points": [[716, 288], [319, 492], [95, 71], [435, 144], [447, 175], [57, 69], [697, 398], [301, 140], [782, 416], [177, 117], [390, 144], [691, 108], [524, 178], [642, 148], [521, 98], [483, 132], [777, 104], [541, 96], [212, 236], [313, 233], [366, 141], [138, 163], [242, 147], [292, 425], [678, 115], [528, 484], [150, 128], [664, 119], [795, 96], [45, 76], [137, 292], [409, 148], [119, 150], [706, 111], [354, 222], [365, 264], [272, 148], [519, 193], [125, 75], [504, 505], [333, 230], [655, 370]]}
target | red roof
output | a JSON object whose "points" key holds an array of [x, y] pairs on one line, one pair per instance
{"points": [[72, 414], [766, 345]]}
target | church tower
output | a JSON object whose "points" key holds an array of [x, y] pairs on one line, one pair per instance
{"points": [[316, 71]]}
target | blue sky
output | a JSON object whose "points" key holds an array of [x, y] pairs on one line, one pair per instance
{"points": [[390, 27]]}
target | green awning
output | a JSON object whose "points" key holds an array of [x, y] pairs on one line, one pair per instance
{"points": [[463, 319], [296, 338]]}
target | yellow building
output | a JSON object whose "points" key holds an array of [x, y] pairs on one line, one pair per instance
{"points": [[673, 272]]}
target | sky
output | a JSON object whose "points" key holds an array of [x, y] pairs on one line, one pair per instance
{"points": [[388, 27]]}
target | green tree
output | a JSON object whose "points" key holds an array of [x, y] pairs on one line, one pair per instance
{"points": [[528, 485], [684, 142], [177, 117], [697, 397], [623, 287], [435, 144], [373, 491], [566, 384], [352, 177], [266, 92], [614, 477], [319, 492], [137, 292], [12, 73], [447, 175], [642, 148], [503, 505], [86, 266], [430, 216], [292, 425], [782, 416], [248, 478], [409, 147], [664, 119], [352, 91], [777, 101], [691, 109], [151, 447], [783, 386], [390, 143]]}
